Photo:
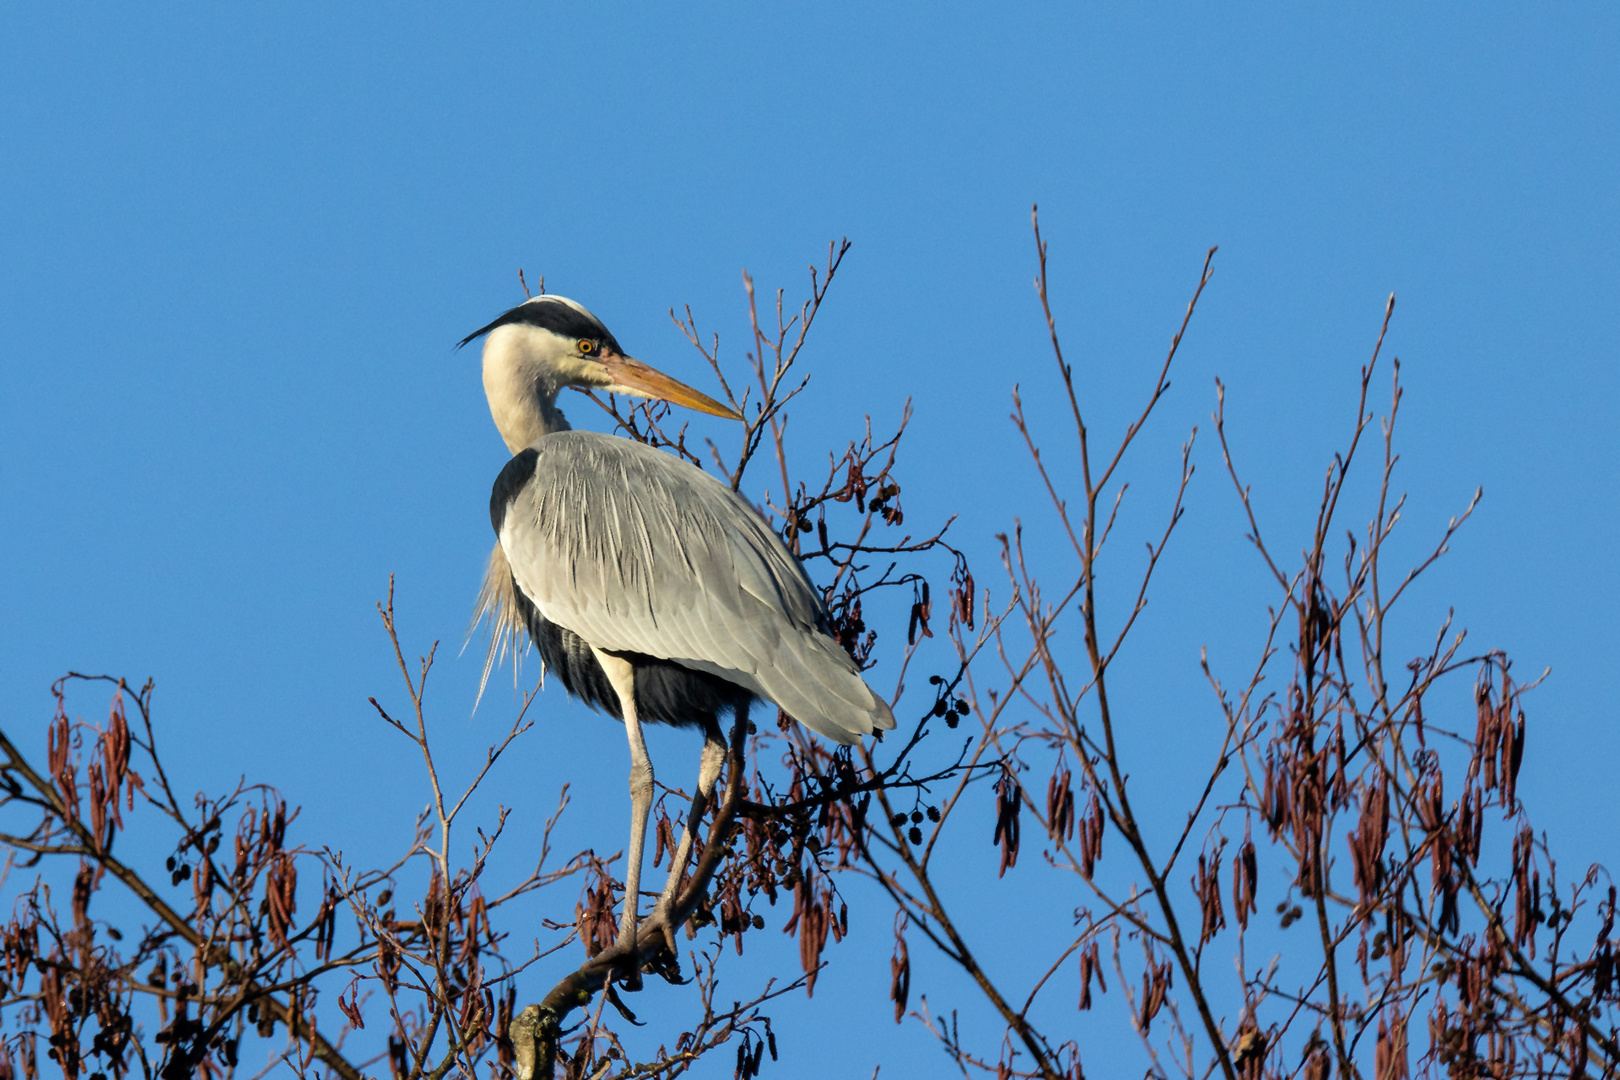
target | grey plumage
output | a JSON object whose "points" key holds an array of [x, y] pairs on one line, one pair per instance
{"points": [[638, 552]]}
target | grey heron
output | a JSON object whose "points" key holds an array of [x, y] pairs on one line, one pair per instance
{"points": [[652, 591]]}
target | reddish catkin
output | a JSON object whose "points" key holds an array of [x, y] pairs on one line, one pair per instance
{"points": [[1009, 801], [202, 883], [351, 1008], [1368, 840], [922, 609], [962, 594], [281, 896], [1245, 875], [1207, 884], [1487, 733], [1341, 771], [244, 849], [664, 835], [1156, 980], [810, 919], [1317, 1064], [733, 920], [1060, 807], [1090, 966], [63, 771], [83, 887], [115, 743], [594, 916], [1277, 798], [1513, 757], [1390, 1057], [477, 921], [812, 939], [900, 970], [503, 1026], [98, 805], [1091, 836]]}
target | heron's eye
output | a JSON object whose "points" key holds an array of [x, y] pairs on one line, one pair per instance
{"points": [[587, 346]]}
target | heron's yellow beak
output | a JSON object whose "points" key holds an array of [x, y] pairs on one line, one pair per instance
{"points": [[633, 377]]}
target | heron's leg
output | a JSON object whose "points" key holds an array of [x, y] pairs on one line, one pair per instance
{"points": [[622, 677], [714, 756]]}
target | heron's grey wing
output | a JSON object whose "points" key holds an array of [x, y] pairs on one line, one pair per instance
{"points": [[637, 551]]}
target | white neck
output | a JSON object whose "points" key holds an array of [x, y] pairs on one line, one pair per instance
{"points": [[522, 394]]}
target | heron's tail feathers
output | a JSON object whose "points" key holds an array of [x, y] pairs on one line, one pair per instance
{"points": [[502, 608]]}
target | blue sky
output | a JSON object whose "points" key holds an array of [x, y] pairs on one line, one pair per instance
{"points": [[237, 247]]}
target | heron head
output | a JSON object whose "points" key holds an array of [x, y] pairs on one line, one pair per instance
{"points": [[549, 343]]}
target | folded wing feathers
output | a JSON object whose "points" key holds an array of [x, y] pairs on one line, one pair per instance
{"points": [[663, 559]]}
